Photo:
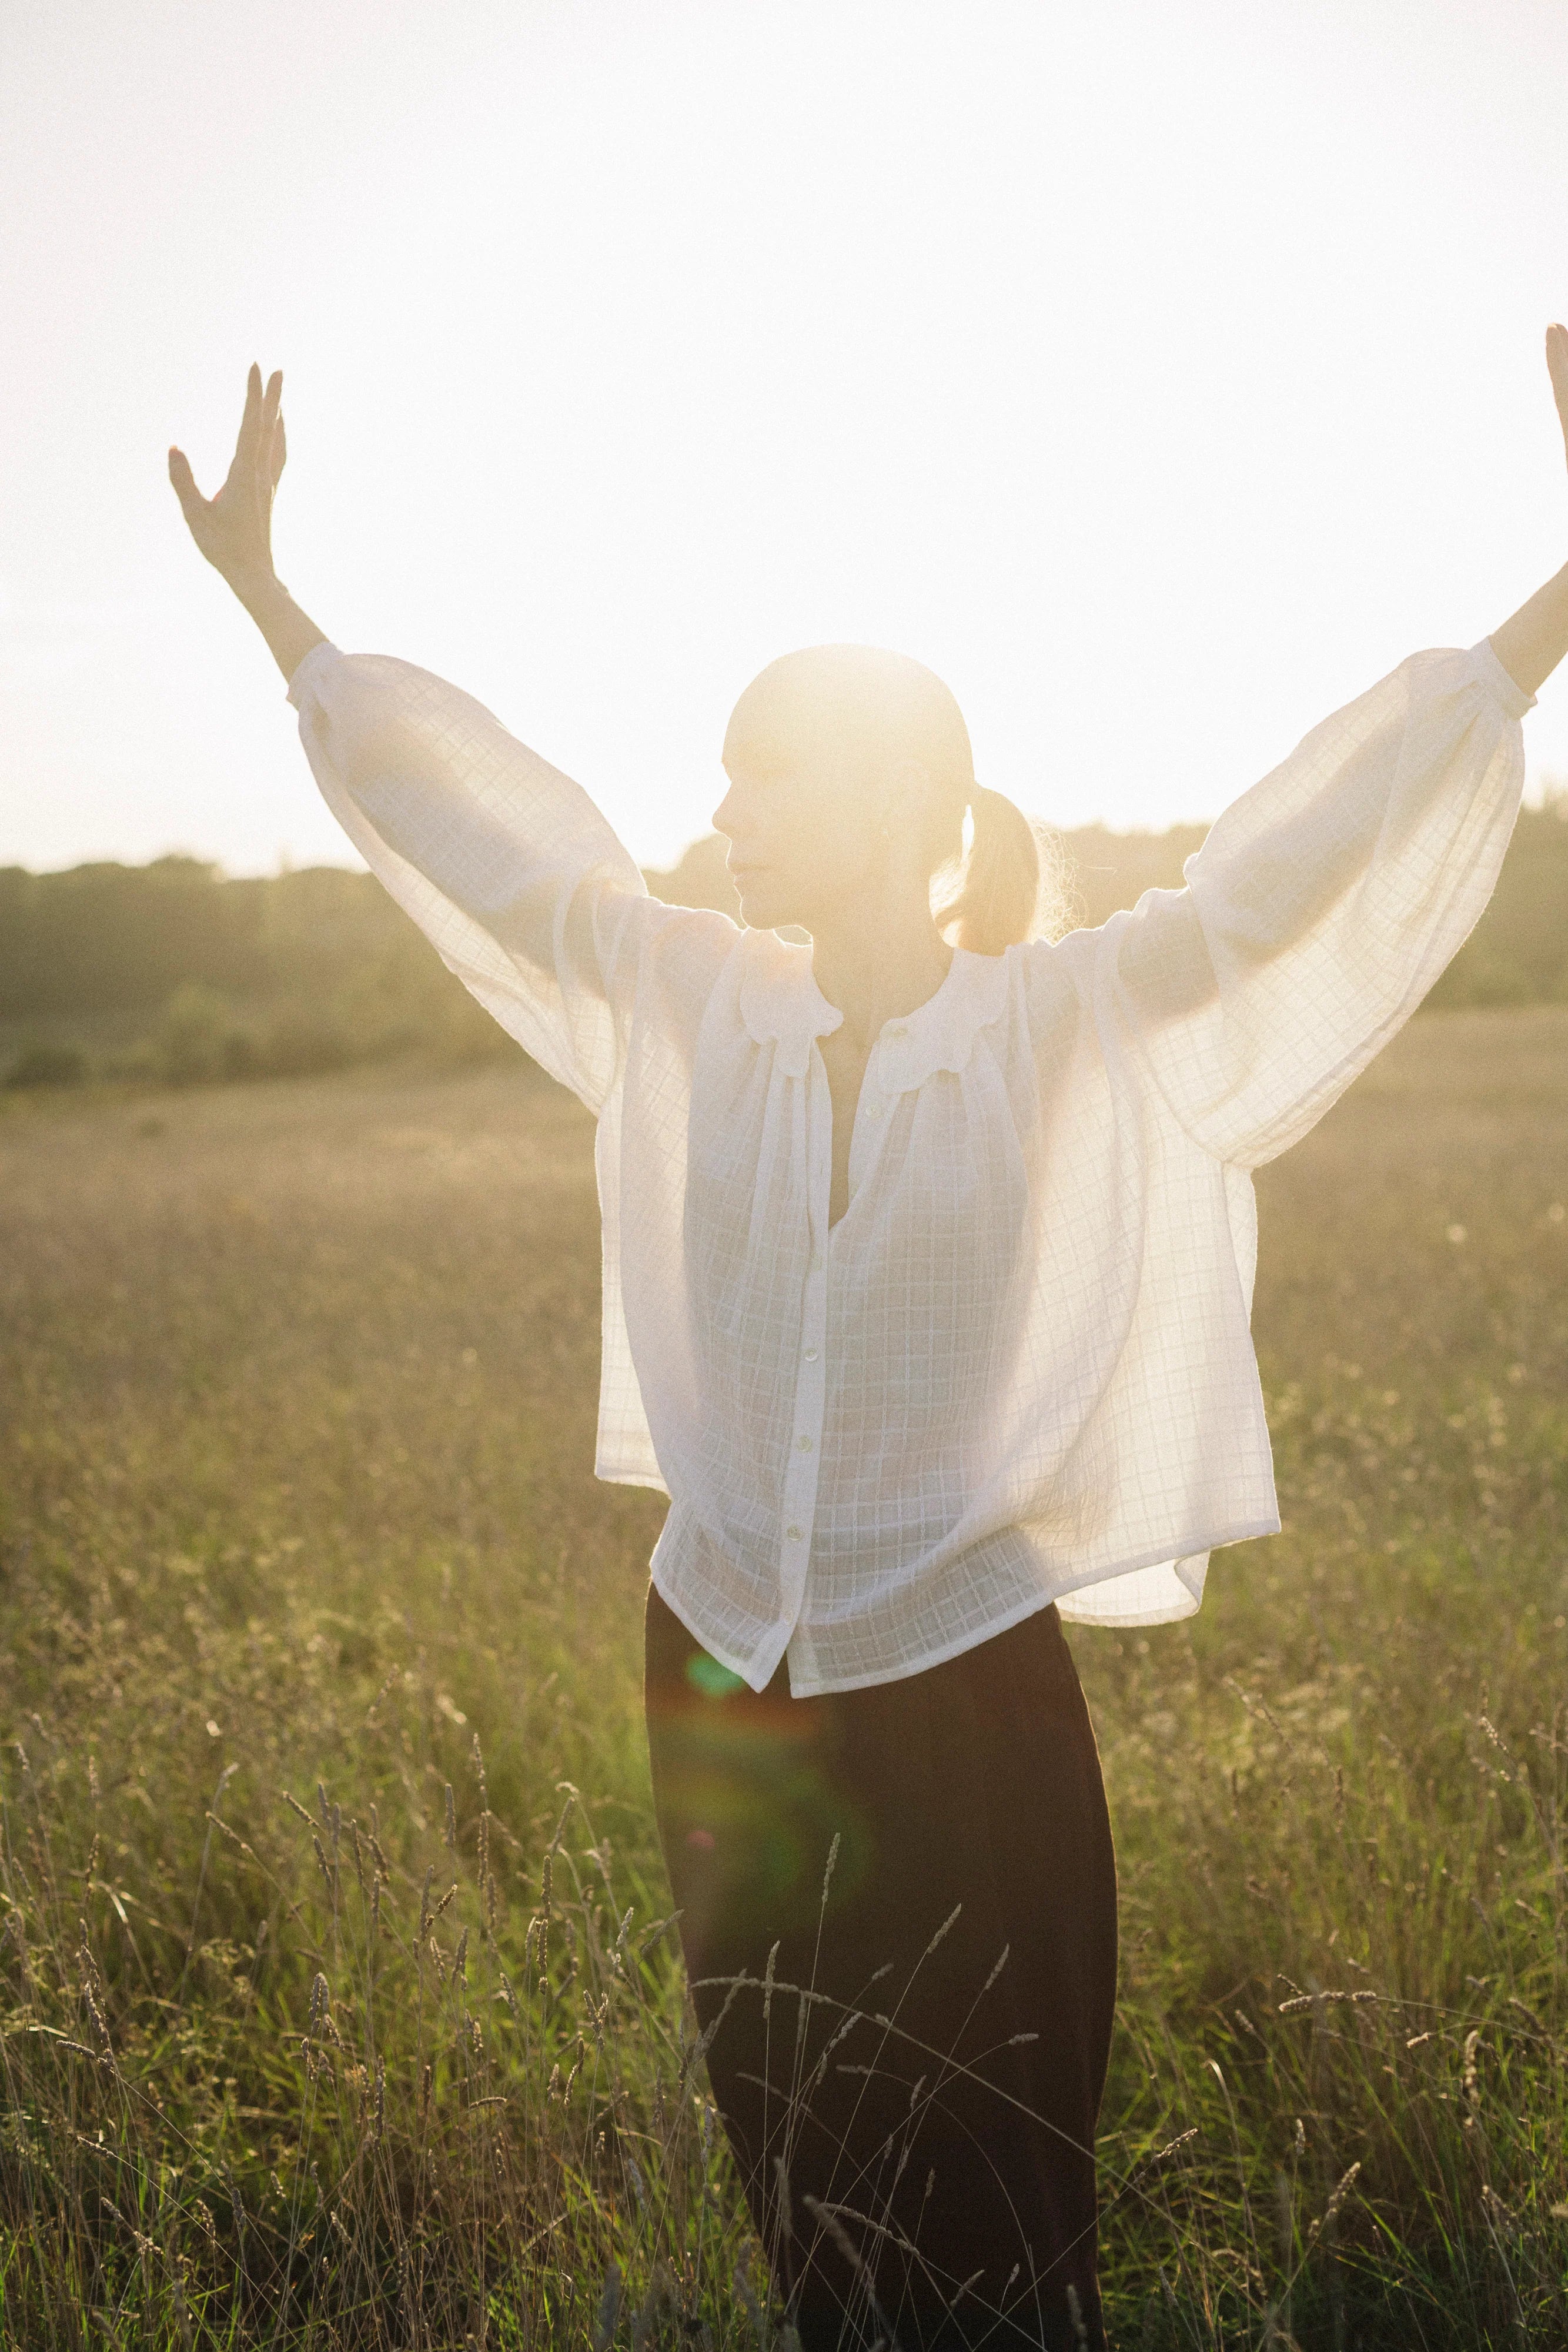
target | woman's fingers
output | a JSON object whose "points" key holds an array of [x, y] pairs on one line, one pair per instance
{"points": [[191, 502], [269, 463], [249, 424], [256, 458], [1557, 367], [279, 449]]}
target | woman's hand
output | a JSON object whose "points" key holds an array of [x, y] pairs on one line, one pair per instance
{"points": [[1531, 643], [233, 531]]}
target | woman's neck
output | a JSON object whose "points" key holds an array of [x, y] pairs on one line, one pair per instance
{"points": [[889, 963]]}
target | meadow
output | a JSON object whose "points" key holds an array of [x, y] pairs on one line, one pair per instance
{"points": [[338, 2003]]}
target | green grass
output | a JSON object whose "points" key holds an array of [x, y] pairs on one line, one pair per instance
{"points": [[298, 1534]]}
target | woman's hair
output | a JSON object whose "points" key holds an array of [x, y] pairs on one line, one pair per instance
{"points": [[988, 897], [886, 713]]}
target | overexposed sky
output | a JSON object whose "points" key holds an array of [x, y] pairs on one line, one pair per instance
{"points": [[1160, 371]]}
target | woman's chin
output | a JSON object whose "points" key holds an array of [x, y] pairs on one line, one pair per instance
{"points": [[766, 910]]}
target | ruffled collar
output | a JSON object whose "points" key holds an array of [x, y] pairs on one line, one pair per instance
{"points": [[782, 1005]]}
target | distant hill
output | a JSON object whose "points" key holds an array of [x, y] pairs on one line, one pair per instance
{"points": [[172, 971], [1517, 954]]}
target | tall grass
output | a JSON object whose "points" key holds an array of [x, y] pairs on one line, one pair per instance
{"points": [[340, 2002]]}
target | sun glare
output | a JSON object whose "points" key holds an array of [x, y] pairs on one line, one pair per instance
{"points": [[1158, 377]]}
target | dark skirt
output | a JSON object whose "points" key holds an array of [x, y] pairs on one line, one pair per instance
{"points": [[910, 2096]]}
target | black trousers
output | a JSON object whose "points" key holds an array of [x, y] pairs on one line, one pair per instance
{"points": [[898, 1909]]}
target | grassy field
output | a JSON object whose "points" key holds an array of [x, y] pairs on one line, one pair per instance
{"points": [[310, 1610]]}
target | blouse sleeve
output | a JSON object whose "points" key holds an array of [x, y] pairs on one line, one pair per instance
{"points": [[505, 864], [1323, 905]]}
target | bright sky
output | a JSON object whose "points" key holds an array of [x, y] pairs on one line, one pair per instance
{"points": [[1161, 374]]}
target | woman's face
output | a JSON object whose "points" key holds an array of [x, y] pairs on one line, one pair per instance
{"points": [[806, 840]]}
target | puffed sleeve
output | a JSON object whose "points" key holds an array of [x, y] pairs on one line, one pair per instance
{"points": [[1322, 905], [505, 864]]}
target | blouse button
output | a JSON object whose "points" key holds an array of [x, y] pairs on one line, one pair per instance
{"points": [[804, 1443], [793, 1534], [811, 1355]]}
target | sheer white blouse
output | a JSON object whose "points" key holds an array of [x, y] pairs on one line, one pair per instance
{"points": [[1018, 1368]]}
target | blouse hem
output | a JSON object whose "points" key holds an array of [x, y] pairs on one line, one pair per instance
{"points": [[628, 1475], [1168, 1554], [729, 1659], [1030, 1607], [1184, 1548]]}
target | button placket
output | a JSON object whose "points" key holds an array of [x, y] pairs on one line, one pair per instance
{"points": [[801, 1475], [880, 1091], [872, 1114]]}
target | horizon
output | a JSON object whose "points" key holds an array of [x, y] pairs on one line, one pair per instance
{"points": [[350, 864]]}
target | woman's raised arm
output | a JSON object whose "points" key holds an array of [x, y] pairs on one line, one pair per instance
{"points": [[1325, 901], [1532, 641], [505, 864], [234, 529]]}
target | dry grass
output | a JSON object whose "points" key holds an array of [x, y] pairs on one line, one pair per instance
{"points": [[296, 1505]]}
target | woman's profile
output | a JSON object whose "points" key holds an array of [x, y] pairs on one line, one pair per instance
{"points": [[928, 1252]]}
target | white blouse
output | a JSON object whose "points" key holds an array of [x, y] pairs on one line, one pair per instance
{"points": [[1018, 1368]]}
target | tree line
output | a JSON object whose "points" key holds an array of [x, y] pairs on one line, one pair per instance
{"points": [[175, 973]]}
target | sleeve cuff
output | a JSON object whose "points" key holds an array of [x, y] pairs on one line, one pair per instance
{"points": [[315, 661], [1503, 689]]}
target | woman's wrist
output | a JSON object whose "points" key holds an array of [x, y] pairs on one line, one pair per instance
{"points": [[258, 589], [290, 633], [1532, 641]]}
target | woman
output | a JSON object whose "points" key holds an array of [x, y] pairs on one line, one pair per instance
{"points": [[928, 1253]]}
